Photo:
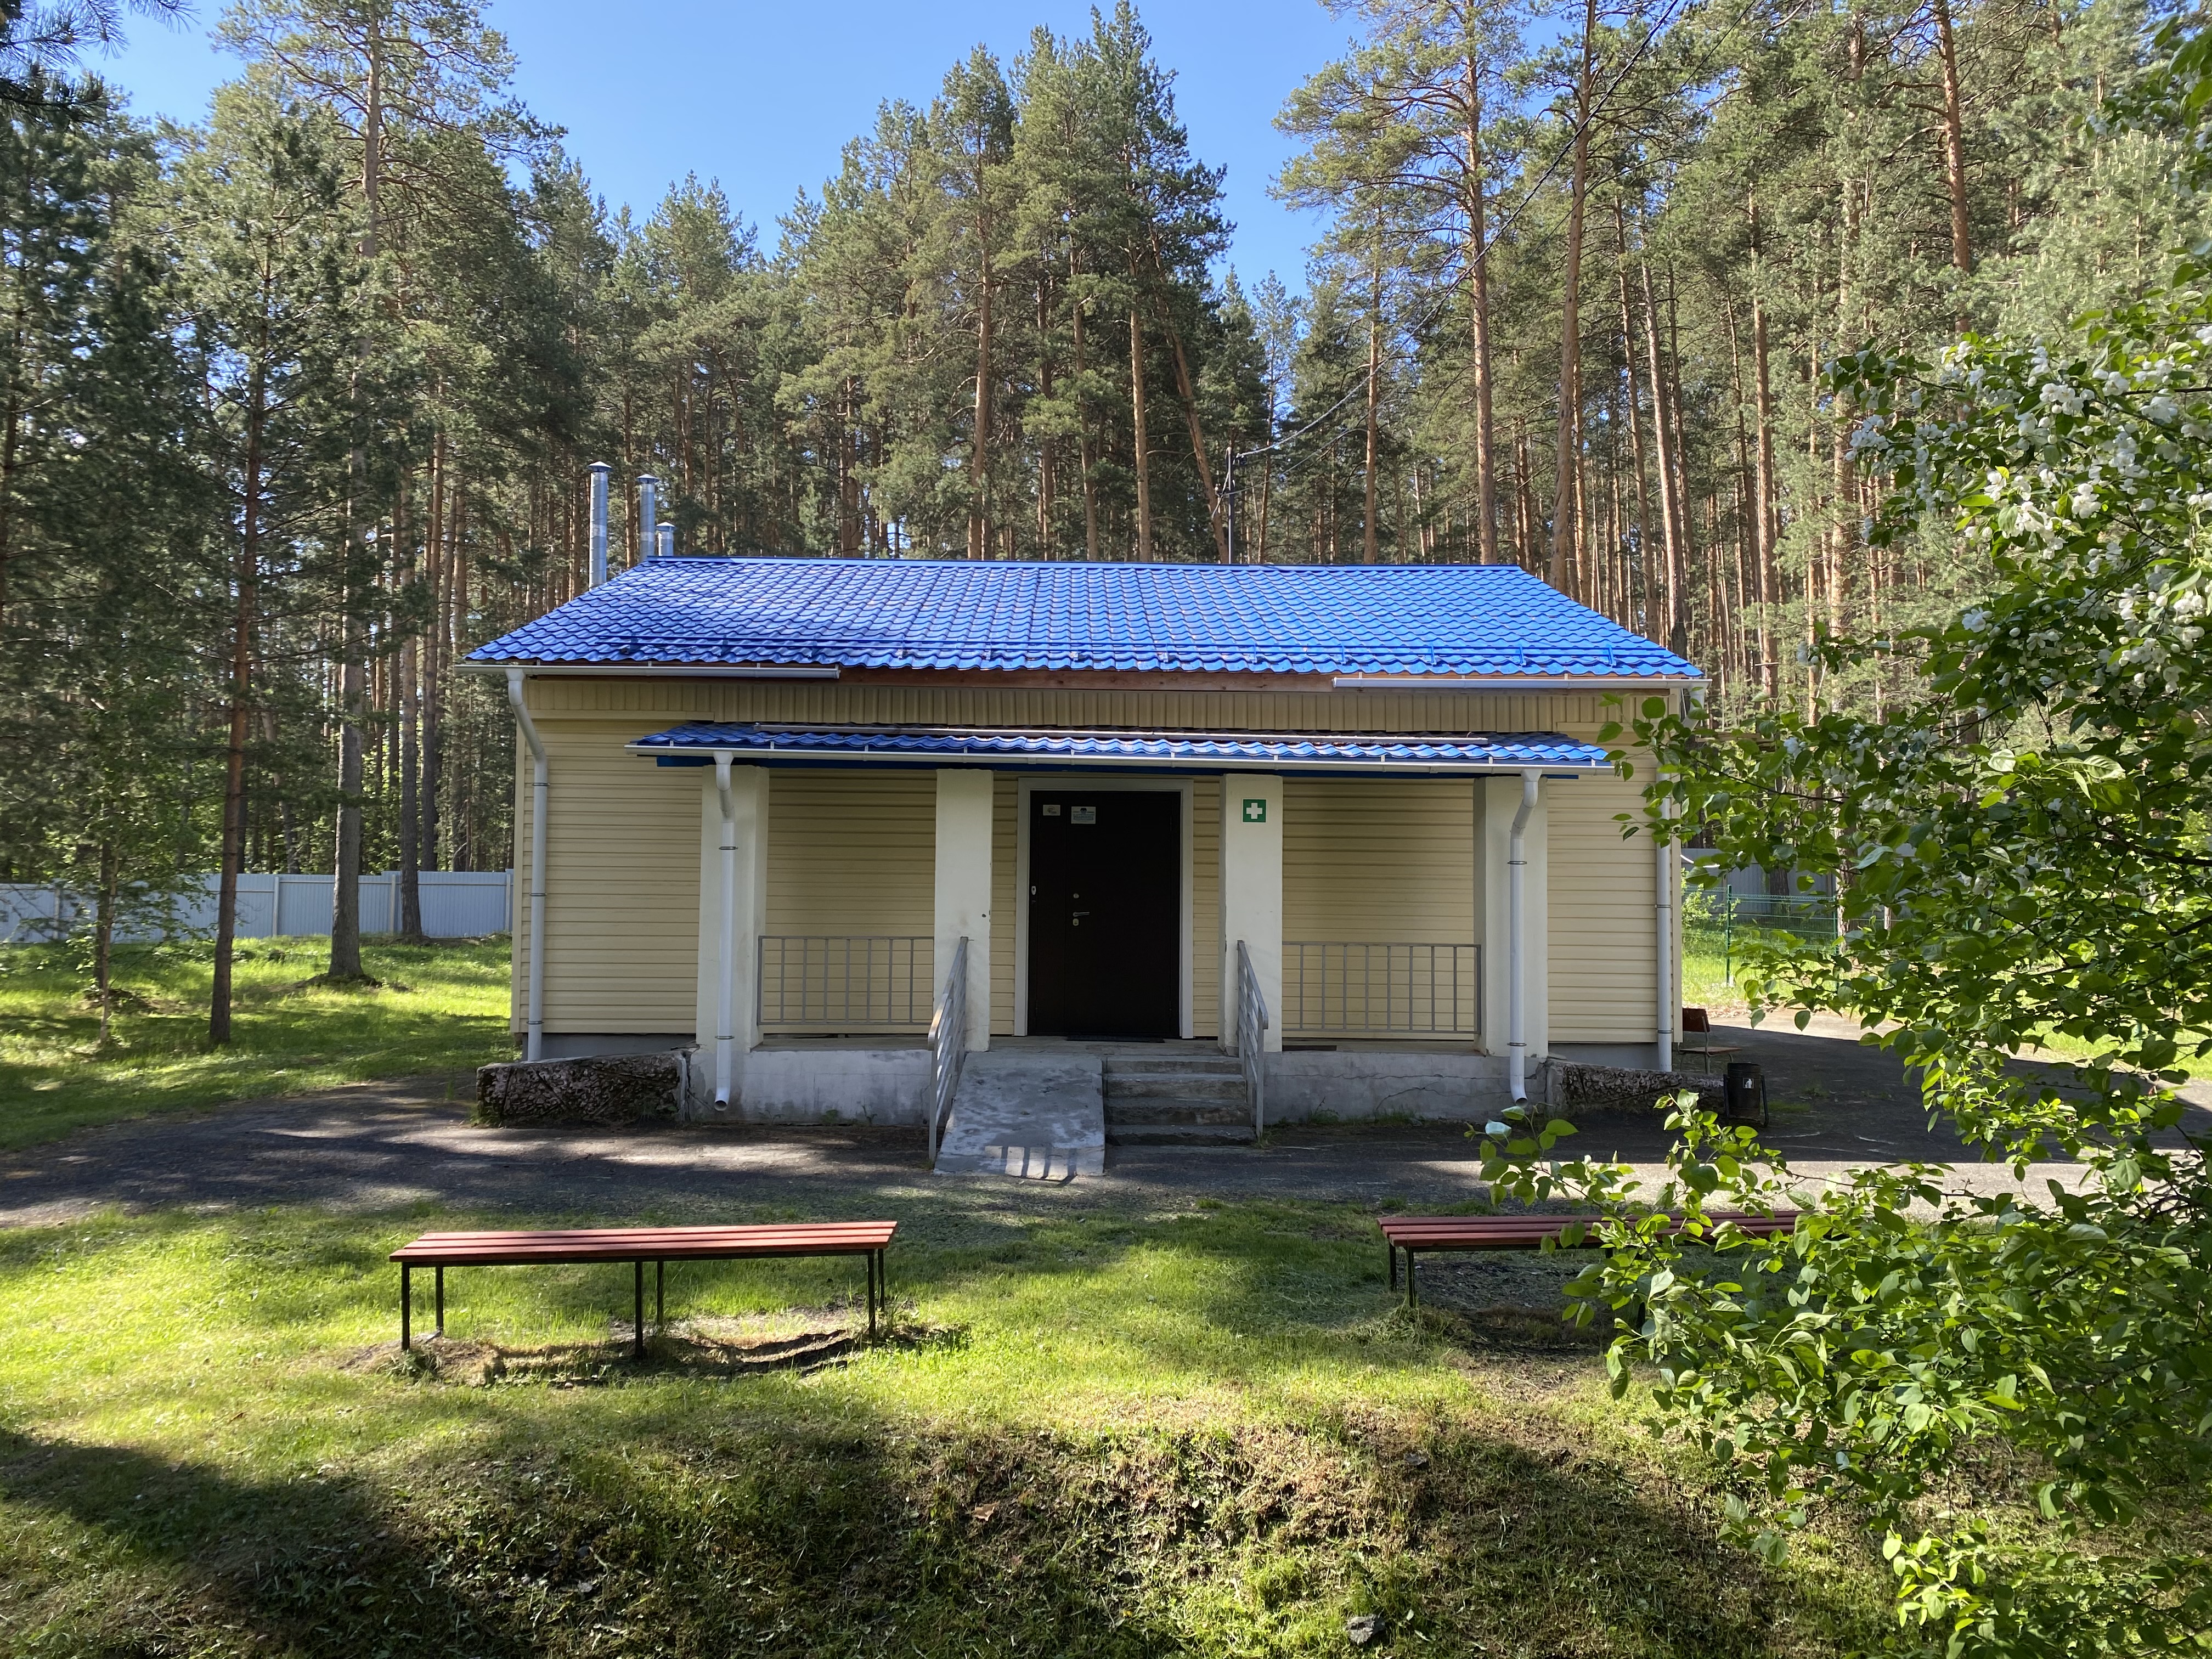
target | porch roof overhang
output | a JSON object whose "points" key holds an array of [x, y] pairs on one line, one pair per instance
{"points": [[1460, 754]]}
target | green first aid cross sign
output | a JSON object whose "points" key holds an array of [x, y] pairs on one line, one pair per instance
{"points": [[1255, 809]]}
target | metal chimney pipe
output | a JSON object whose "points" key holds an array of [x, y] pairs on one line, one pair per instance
{"points": [[648, 515], [600, 471], [667, 539]]}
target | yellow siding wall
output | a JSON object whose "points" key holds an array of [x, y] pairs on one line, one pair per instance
{"points": [[1576, 713], [622, 887], [1386, 862], [1206, 907], [1391, 859], [853, 852], [1604, 939]]}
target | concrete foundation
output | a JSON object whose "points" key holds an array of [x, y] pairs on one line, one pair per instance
{"points": [[833, 1083], [1351, 1084]]}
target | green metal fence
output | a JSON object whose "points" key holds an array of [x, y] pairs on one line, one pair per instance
{"points": [[1721, 919]]}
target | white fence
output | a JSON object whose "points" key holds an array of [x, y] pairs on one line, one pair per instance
{"points": [[456, 904]]}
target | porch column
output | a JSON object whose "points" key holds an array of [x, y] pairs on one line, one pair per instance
{"points": [[748, 802], [963, 889], [1252, 895], [1497, 801]]}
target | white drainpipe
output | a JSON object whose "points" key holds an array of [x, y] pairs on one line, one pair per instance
{"points": [[599, 505], [1516, 868], [726, 991], [535, 1040], [1665, 975]]}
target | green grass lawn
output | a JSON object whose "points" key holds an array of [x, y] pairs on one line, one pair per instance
{"points": [[1209, 1432], [440, 1008]]}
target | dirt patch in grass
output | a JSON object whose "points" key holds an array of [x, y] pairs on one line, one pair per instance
{"points": [[802, 1339]]}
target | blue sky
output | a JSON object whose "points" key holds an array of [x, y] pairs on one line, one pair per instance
{"points": [[763, 96]]}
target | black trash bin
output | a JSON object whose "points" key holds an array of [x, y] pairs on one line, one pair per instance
{"points": [[1744, 1087]]}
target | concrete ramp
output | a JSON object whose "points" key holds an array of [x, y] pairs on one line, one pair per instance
{"points": [[1039, 1117]]}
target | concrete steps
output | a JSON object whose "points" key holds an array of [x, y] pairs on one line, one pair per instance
{"points": [[1174, 1101]]}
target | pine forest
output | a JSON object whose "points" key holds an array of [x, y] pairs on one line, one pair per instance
{"points": [[301, 400]]}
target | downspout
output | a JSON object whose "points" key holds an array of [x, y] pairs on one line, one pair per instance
{"points": [[1665, 910], [535, 1043], [1516, 1015], [725, 989]]}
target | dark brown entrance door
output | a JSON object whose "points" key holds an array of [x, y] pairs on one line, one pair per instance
{"points": [[1105, 889]]}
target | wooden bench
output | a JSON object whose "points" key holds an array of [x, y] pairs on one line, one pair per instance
{"points": [[1697, 1023], [639, 1245], [1414, 1233]]}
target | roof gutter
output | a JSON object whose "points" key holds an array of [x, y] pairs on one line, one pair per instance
{"points": [[653, 671], [704, 756], [1516, 682]]}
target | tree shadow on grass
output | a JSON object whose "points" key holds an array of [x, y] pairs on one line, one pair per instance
{"points": [[308, 1565]]}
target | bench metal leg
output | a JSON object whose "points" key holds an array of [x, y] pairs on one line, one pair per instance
{"points": [[1412, 1298], [406, 1306], [637, 1310], [442, 1298], [661, 1295], [1390, 1250]]}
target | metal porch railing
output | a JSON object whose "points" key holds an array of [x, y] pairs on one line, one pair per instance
{"points": [[845, 982], [948, 1044], [1252, 1037], [1381, 989]]}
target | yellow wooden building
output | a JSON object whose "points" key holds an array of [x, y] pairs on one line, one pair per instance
{"points": [[1348, 825]]}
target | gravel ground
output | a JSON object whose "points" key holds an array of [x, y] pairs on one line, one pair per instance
{"points": [[406, 1145]]}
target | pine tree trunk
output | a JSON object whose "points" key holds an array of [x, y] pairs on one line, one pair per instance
{"points": [[1486, 461], [1671, 384], [345, 884], [1635, 422], [1671, 580], [103, 939], [1563, 510], [1370, 539], [247, 583], [1954, 141], [979, 479], [1082, 442], [1765, 515], [1216, 517], [1143, 452], [1048, 450]]}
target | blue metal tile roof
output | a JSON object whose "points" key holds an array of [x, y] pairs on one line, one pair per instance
{"points": [[1422, 752], [1480, 620]]}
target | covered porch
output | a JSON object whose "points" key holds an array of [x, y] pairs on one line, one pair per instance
{"points": [[876, 903]]}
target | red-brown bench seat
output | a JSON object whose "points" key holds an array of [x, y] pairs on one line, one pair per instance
{"points": [[639, 1245], [1414, 1233]]}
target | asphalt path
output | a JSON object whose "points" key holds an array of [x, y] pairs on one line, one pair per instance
{"points": [[407, 1147]]}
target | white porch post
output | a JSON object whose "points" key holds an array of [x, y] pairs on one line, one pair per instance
{"points": [[1252, 895], [963, 889], [741, 921], [1499, 801]]}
